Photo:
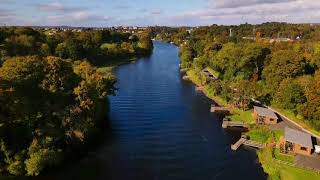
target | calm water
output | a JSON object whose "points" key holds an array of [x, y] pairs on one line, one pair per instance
{"points": [[162, 129]]}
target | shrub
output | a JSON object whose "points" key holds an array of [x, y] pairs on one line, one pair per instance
{"points": [[16, 168]]}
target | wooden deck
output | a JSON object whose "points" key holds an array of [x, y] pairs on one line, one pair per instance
{"points": [[254, 144], [185, 78], [238, 144], [218, 109], [183, 70], [199, 88], [246, 142], [227, 124]]}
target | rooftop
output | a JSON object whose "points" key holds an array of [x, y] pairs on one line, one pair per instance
{"points": [[265, 112], [298, 137]]}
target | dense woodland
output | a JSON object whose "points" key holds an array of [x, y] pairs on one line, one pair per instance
{"points": [[52, 98], [285, 75]]}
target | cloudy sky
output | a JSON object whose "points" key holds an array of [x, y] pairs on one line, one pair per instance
{"points": [[156, 12]]}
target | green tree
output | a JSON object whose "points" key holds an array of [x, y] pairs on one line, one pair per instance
{"points": [[290, 95], [284, 64]]}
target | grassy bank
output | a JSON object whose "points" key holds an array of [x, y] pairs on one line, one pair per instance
{"points": [[281, 171], [115, 63], [194, 77]]}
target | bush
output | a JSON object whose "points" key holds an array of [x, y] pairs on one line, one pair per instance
{"points": [[16, 168], [41, 159]]}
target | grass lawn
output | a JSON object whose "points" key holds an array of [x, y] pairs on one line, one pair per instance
{"points": [[282, 157], [278, 171], [278, 134], [105, 68], [194, 77], [293, 173], [115, 63], [242, 116], [260, 134], [215, 73]]}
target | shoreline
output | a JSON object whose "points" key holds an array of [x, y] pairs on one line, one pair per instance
{"points": [[265, 157]]}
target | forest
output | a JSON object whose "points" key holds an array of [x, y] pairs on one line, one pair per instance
{"points": [[53, 100], [282, 73]]}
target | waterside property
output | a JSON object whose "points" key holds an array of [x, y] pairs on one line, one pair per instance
{"points": [[296, 142]]}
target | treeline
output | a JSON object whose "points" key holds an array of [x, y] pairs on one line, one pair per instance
{"points": [[97, 46], [168, 34], [52, 99], [282, 74]]}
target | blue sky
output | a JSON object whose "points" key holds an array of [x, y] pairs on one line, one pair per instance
{"points": [[156, 12]]}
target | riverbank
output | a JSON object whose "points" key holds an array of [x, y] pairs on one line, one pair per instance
{"points": [[116, 63], [269, 159]]}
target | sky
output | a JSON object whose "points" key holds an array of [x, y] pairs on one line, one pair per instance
{"points": [[102, 13]]}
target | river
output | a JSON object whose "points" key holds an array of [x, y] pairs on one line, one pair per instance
{"points": [[162, 129]]}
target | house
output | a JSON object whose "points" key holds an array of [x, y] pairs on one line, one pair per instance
{"points": [[296, 142], [264, 116]]}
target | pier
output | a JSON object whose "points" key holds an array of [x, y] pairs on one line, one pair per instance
{"points": [[199, 88], [227, 124], [246, 142], [186, 78], [218, 109]]}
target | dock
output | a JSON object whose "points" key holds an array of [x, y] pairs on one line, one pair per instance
{"points": [[186, 78], [199, 88], [238, 144], [218, 109], [227, 124], [246, 142], [254, 144], [183, 70]]}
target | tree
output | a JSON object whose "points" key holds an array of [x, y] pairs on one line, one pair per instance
{"points": [[45, 50], [290, 95], [226, 60], [186, 56], [310, 109], [61, 50], [252, 60], [40, 159], [284, 64], [21, 45]]}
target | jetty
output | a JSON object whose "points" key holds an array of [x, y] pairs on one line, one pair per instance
{"points": [[199, 88], [183, 70], [186, 78], [227, 124], [219, 109], [246, 142]]}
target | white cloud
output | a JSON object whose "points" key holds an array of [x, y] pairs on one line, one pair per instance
{"points": [[57, 7], [241, 3], [79, 18], [295, 11]]}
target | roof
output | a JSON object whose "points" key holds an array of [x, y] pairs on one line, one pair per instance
{"points": [[265, 112], [298, 137]]}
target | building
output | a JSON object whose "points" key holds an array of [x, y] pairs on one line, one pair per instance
{"points": [[264, 116], [296, 142]]}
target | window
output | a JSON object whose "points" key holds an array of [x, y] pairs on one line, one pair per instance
{"points": [[303, 148]]}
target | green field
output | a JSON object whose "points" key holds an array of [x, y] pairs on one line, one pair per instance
{"points": [[242, 116], [282, 157]]}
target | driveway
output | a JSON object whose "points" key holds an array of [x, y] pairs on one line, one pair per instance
{"points": [[308, 161]]}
